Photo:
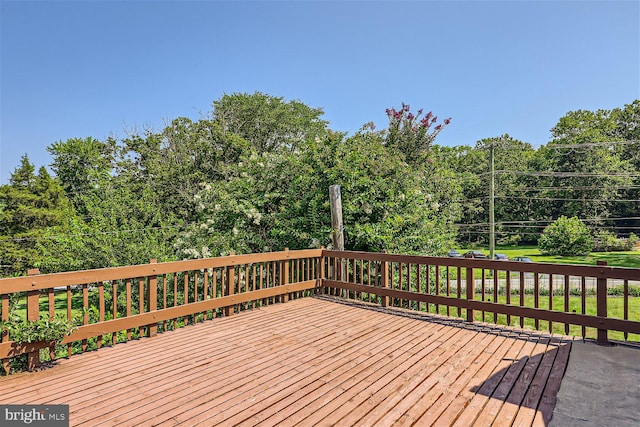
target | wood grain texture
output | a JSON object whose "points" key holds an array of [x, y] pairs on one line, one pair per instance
{"points": [[310, 361]]}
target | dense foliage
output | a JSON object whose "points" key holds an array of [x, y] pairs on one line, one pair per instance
{"points": [[566, 237], [253, 175]]}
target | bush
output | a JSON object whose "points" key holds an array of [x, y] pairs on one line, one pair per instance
{"points": [[566, 236], [606, 241]]}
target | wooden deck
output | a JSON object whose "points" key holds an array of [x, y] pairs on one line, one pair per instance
{"points": [[311, 361]]}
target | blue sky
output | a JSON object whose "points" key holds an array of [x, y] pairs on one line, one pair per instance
{"points": [[100, 68]]}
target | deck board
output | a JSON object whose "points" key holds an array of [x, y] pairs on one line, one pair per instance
{"points": [[310, 361]]}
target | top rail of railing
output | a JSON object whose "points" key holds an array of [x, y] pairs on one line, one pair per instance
{"points": [[46, 281], [597, 271]]}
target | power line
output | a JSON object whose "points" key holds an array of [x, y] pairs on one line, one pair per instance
{"points": [[590, 144], [557, 174], [576, 188], [568, 199], [548, 221]]}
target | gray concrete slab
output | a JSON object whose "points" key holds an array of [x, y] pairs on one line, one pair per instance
{"points": [[601, 387]]}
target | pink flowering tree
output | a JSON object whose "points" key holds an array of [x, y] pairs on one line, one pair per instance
{"points": [[412, 134]]}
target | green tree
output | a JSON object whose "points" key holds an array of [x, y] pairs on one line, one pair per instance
{"points": [[627, 129], [174, 162], [29, 204], [471, 171], [81, 164], [566, 236], [124, 228], [268, 123], [273, 200], [585, 178]]}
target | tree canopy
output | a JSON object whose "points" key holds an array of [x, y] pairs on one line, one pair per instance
{"points": [[253, 175]]}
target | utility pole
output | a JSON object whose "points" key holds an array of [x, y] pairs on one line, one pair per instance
{"points": [[337, 232], [337, 227], [492, 219]]}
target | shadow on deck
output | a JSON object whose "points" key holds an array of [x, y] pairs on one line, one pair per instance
{"points": [[311, 361]]}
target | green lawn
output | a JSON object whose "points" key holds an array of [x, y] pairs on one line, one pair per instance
{"points": [[615, 309], [618, 259], [60, 305]]}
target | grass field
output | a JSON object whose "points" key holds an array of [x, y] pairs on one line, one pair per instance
{"points": [[615, 309], [618, 259]]}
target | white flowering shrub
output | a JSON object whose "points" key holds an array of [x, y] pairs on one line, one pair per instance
{"points": [[271, 201]]}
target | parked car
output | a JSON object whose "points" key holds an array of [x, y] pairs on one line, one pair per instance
{"points": [[475, 254], [500, 257], [454, 254], [523, 259]]}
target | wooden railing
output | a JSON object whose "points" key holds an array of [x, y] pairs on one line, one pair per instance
{"points": [[119, 304], [535, 295]]}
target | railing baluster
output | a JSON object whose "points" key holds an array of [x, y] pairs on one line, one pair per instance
{"points": [[205, 291], [4, 334], [448, 289], [254, 282], [482, 290], [246, 283], [141, 302], [427, 279], [437, 287], [418, 286], [52, 315], [625, 303], [230, 287], [566, 300], [496, 286], [175, 297], [459, 290], [285, 279], [152, 299], [536, 297], [409, 285], [185, 296], [583, 302], [101, 309], [69, 319], [128, 308], [261, 281], [550, 300], [508, 294], [362, 277], [164, 299], [114, 302], [522, 297], [385, 282], [85, 309], [471, 290], [369, 279]]}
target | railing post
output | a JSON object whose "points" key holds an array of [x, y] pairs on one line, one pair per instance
{"points": [[284, 278], [229, 286], [601, 297], [471, 285], [4, 334], [321, 272], [152, 297], [33, 314], [385, 281]]}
